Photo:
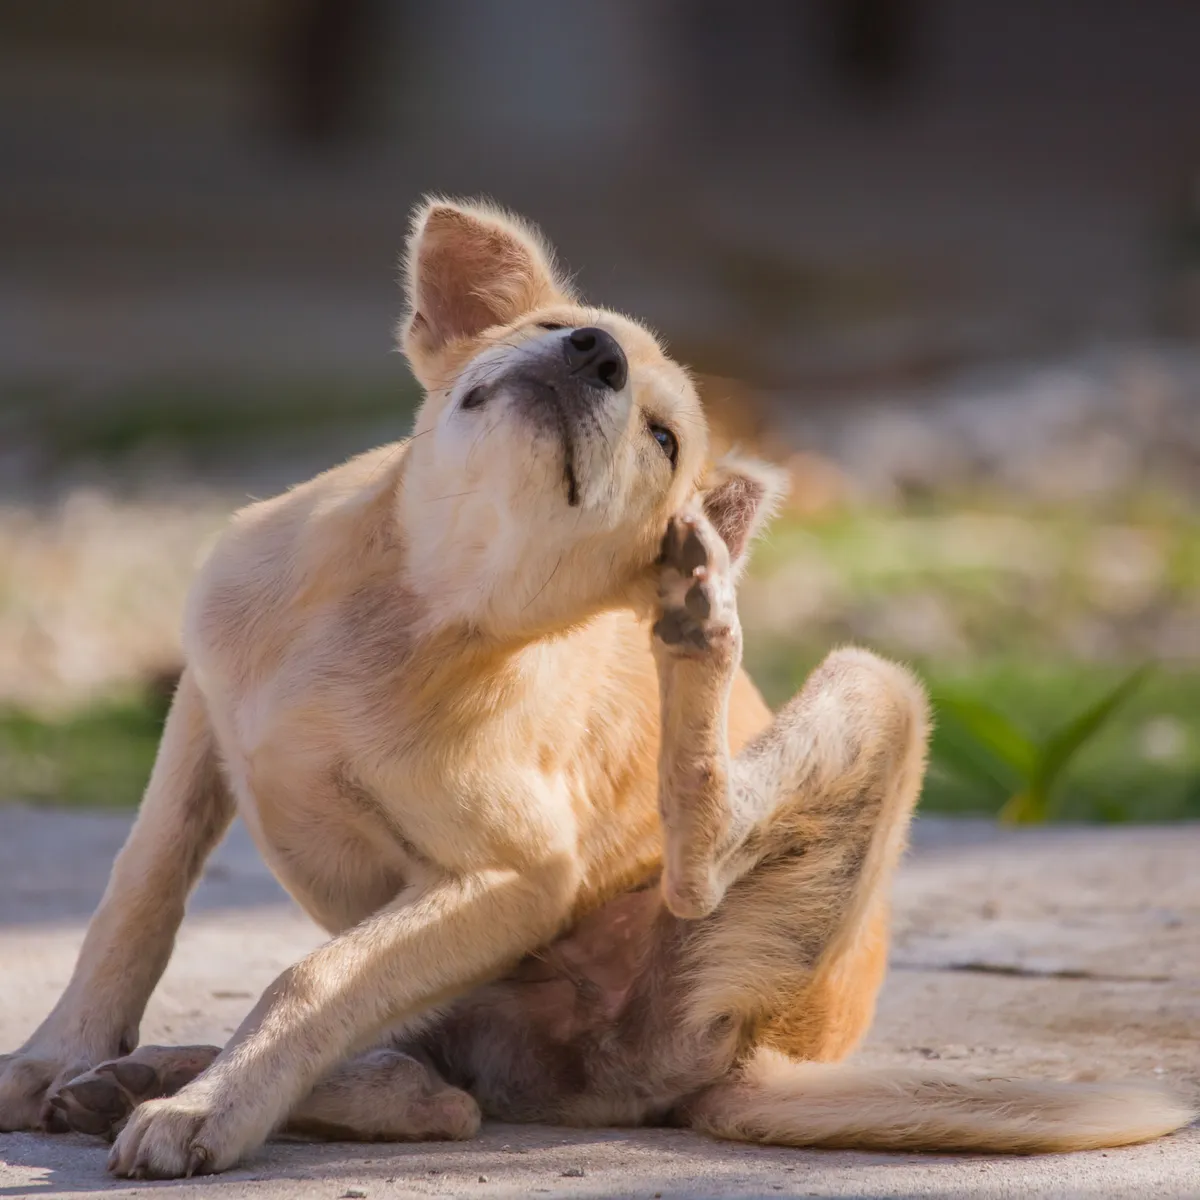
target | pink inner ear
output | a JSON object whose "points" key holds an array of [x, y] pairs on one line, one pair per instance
{"points": [[466, 283], [474, 270], [732, 507]]}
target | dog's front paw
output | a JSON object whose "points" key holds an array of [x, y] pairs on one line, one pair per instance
{"points": [[181, 1136], [696, 592], [28, 1079]]}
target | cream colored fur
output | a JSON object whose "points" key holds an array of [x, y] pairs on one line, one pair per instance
{"points": [[426, 682], [787, 1103]]}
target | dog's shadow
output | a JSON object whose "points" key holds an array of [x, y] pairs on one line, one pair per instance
{"points": [[515, 1159]]}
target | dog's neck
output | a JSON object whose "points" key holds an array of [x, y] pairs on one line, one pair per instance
{"points": [[475, 565]]}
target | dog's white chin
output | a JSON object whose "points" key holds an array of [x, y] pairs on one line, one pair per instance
{"points": [[489, 513]]}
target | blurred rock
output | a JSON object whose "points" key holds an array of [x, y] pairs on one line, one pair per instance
{"points": [[1125, 569], [921, 624], [1162, 739], [1101, 424], [789, 602]]}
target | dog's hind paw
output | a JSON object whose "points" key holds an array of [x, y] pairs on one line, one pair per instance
{"points": [[696, 590], [100, 1100]]}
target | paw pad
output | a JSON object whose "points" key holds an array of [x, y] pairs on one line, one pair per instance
{"points": [[695, 586]]}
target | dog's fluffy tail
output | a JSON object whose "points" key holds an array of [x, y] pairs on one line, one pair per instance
{"points": [[785, 1103]]}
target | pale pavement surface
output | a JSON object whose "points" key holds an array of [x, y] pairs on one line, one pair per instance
{"points": [[1049, 952]]}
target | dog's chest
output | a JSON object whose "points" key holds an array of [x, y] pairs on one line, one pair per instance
{"points": [[359, 784], [329, 844], [348, 831]]}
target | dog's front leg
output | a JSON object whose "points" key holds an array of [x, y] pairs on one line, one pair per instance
{"points": [[419, 951], [186, 809]]}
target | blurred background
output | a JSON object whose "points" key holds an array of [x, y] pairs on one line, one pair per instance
{"points": [[942, 257]]}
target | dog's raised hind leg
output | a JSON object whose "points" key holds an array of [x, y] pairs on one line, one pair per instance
{"points": [[840, 764]]}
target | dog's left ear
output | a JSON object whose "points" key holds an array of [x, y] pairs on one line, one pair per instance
{"points": [[471, 266], [739, 495]]}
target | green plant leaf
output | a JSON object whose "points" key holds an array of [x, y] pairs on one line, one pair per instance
{"points": [[993, 731], [983, 775], [1028, 807], [958, 756], [1062, 746]]}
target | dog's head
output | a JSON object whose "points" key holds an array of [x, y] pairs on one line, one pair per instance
{"points": [[555, 439]]}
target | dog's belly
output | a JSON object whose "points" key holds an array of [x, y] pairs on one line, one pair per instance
{"points": [[586, 1030], [526, 1042]]}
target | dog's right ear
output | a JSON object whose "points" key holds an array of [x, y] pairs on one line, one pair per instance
{"points": [[739, 496], [471, 266]]}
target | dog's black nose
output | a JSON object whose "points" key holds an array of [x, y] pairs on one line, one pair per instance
{"points": [[596, 357]]}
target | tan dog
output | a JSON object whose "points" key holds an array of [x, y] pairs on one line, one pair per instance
{"points": [[429, 683]]}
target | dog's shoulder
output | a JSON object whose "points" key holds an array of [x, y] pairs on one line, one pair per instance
{"points": [[309, 551]]}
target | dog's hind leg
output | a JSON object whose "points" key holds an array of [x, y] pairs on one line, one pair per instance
{"points": [[100, 1100], [385, 1095], [820, 804], [792, 846], [779, 859], [812, 814], [856, 715], [381, 1095]]}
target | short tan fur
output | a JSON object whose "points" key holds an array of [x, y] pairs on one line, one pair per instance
{"points": [[478, 697]]}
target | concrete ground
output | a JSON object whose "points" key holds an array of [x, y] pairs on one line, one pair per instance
{"points": [[1051, 952]]}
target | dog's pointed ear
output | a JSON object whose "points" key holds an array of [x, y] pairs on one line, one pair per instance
{"points": [[739, 495], [470, 266]]}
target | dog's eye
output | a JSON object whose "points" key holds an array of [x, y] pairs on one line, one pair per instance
{"points": [[667, 440], [474, 399], [549, 326]]}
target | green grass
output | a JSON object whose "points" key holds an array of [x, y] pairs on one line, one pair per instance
{"points": [[1036, 613], [1143, 766], [98, 757], [1001, 582]]}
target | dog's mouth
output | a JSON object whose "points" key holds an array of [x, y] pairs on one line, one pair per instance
{"points": [[569, 478], [541, 402]]}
